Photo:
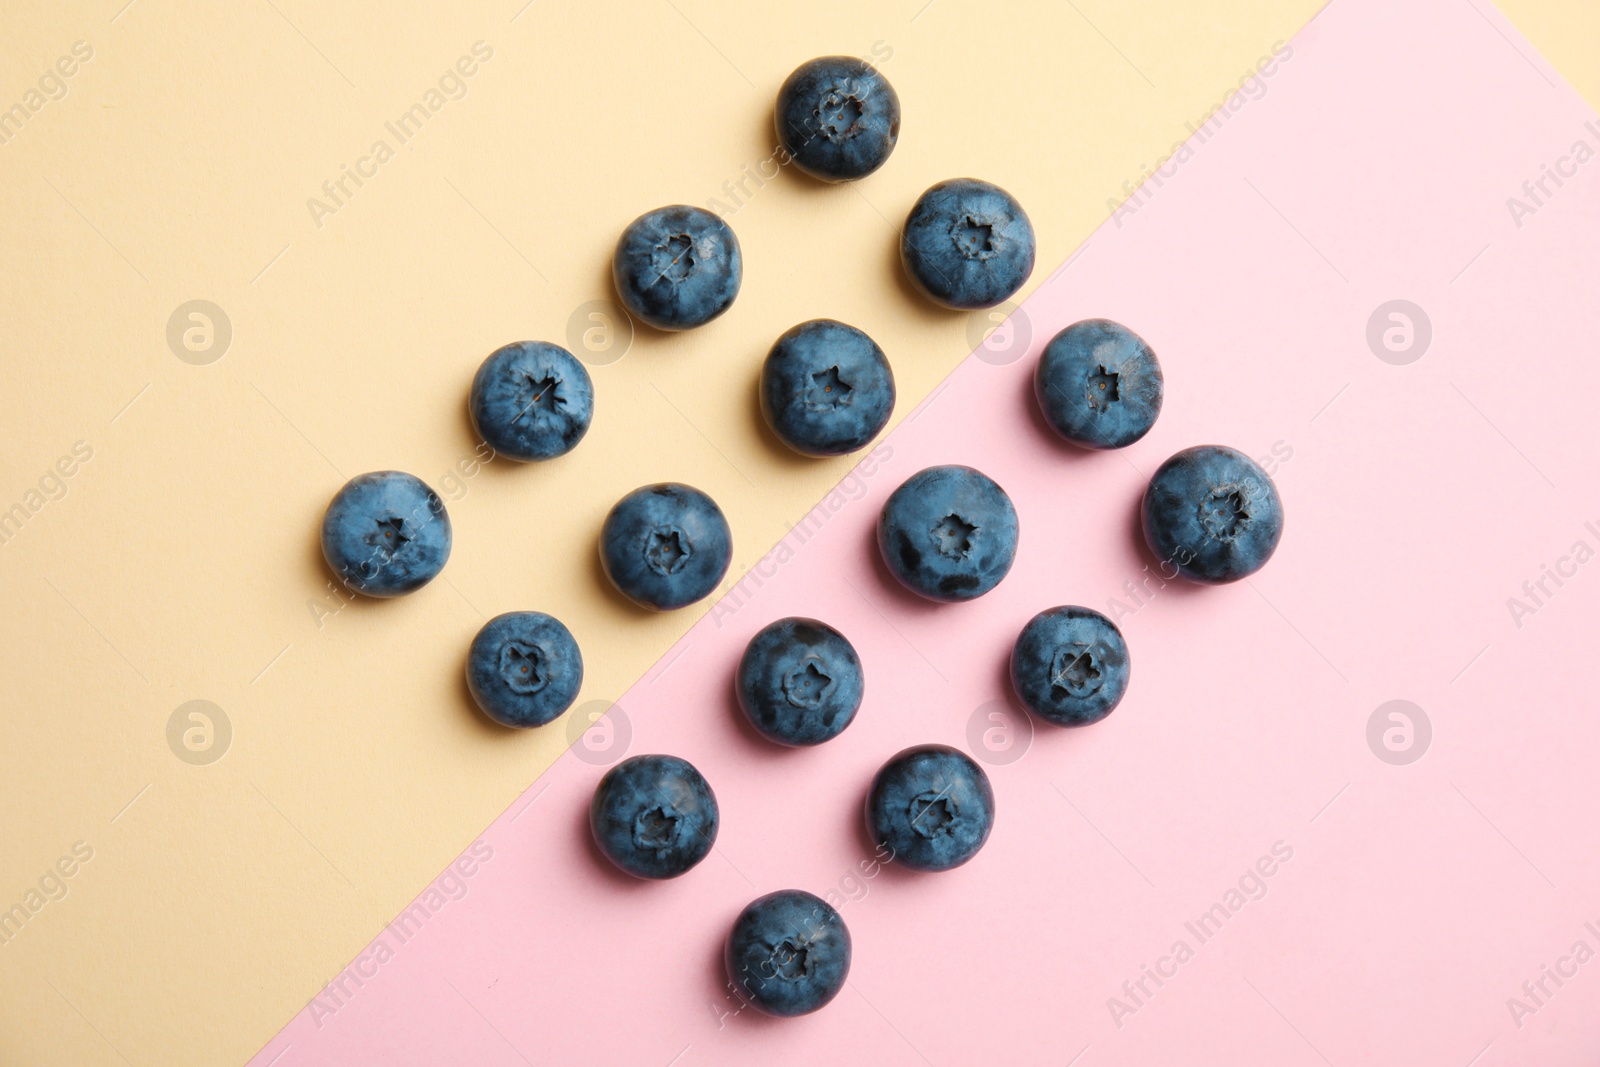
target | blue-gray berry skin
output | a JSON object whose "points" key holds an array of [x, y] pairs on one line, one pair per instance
{"points": [[968, 244], [654, 816], [677, 267], [788, 953], [800, 681], [1213, 514], [665, 546], [386, 534], [1099, 385], [932, 807], [1070, 666], [948, 533], [826, 388], [838, 118], [524, 668], [532, 400]]}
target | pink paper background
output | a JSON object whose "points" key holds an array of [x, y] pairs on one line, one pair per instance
{"points": [[1419, 498]]}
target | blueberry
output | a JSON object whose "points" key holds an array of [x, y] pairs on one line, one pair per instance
{"points": [[932, 807], [948, 533], [524, 668], [386, 534], [838, 118], [677, 267], [788, 953], [800, 681], [1099, 385], [532, 400], [826, 388], [1070, 666], [664, 546], [654, 816], [1213, 514], [968, 244]]}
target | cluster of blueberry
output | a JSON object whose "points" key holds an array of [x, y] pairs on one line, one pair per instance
{"points": [[947, 533]]}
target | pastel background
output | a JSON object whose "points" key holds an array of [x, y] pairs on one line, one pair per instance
{"points": [[178, 562]]}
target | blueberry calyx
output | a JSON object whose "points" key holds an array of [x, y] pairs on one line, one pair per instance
{"points": [[1075, 673], [931, 814], [953, 536], [667, 549], [522, 667]]}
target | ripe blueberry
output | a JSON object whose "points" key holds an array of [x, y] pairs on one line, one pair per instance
{"points": [[386, 534], [677, 267], [1212, 514], [788, 953], [948, 533], [654, 816], [664, 546], [931, 805], [800, 681], [1070, 666], [524, 668], [532, 400], [826, 388], [838, 118], [968, 244], [1099, 385]]}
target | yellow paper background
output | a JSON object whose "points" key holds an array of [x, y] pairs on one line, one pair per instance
{"points": [[181, 562]]}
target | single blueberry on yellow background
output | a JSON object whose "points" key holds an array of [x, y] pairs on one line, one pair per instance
{"points": [[967, 244], [386, 534], [654, 816], [532, 400], [677, 267], [664, 546], [1213, 514], [932, 806], [948, 533], [826, 388], [838, 118], [788, 953], [524, 668], [1070, 666], [800, 681], [1099, 385]]}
